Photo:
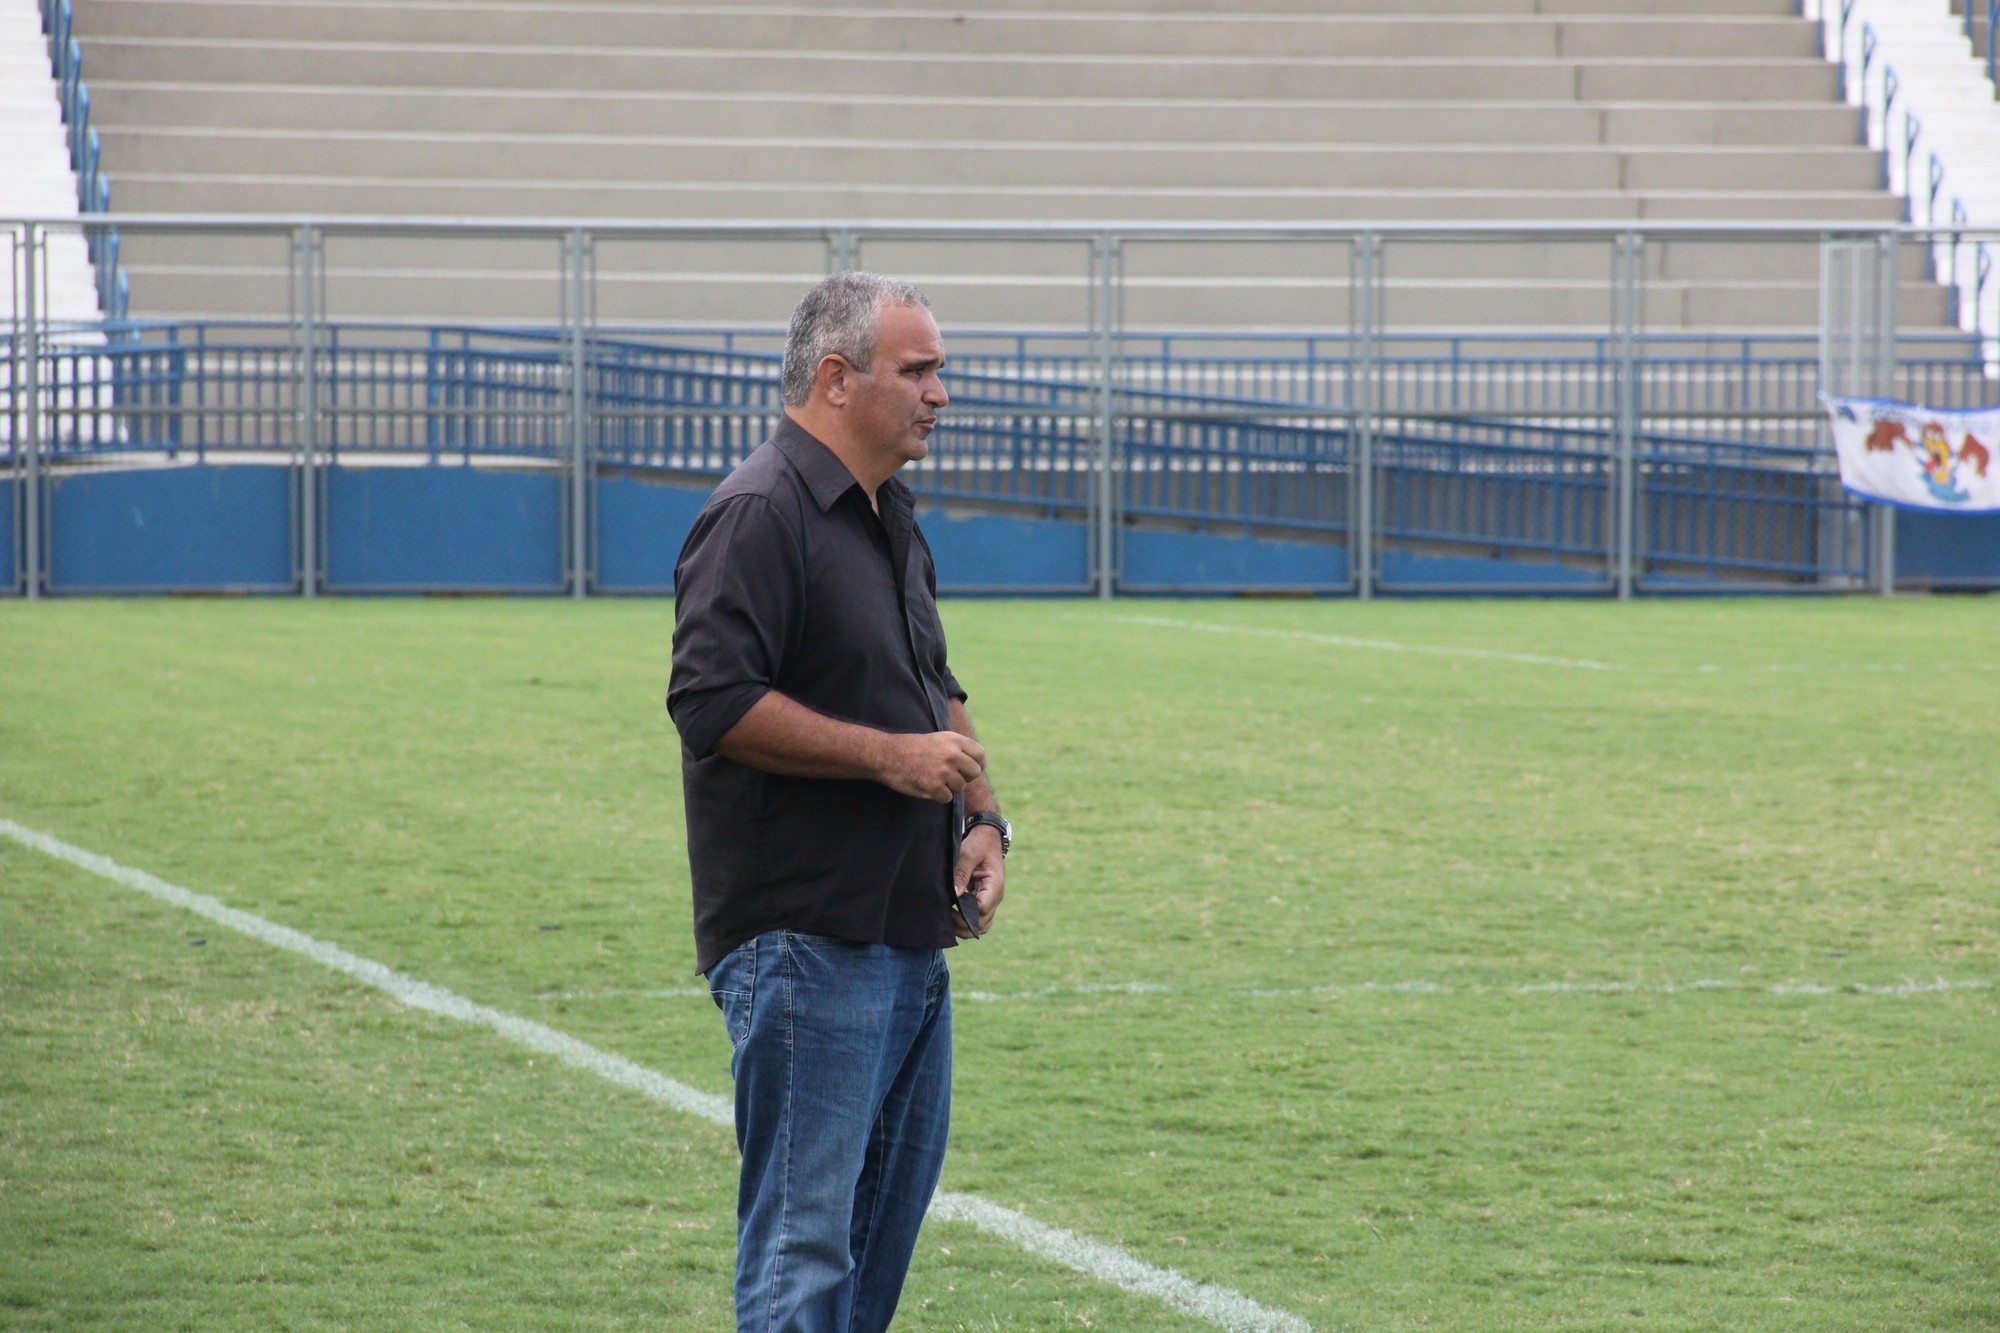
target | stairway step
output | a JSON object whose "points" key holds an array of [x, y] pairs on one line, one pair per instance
{"points": [[736, 199], [763, 297], [1283, 77], [814, 164], [944, 33], [339, 110]]}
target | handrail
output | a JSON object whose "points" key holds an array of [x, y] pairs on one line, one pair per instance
{"points": [[1992, 51], [93, 191], [1879, 95], [1984, 238], [1913, 129], [630, 229]]}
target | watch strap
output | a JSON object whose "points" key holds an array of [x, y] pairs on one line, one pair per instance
{"points": [[998, 824]]}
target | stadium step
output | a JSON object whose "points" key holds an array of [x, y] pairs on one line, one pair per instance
{"points": [[1081, 119], [1405, 258], [813, 164], [452, 31], [472, 197], [1722, 78], [710, 297]]}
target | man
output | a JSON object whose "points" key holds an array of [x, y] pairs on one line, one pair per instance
{"points": [[837, 808]]}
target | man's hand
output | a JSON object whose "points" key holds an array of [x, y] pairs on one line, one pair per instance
{"points": [[935, 766], [980, 868]]}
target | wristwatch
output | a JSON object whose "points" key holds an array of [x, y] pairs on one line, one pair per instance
{"points": [[1005, 829]]}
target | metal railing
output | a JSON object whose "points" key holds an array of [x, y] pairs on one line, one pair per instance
{"points": [[93, 190], [1620, 460], [1966, 267], [1982, 38]]}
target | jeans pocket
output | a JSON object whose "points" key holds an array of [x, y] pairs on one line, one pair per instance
{"points": [[732, 984]]}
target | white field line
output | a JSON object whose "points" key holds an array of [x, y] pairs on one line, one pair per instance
{"points": [[1535, 659], [1226, 1309], [1903, 987], [1380, 645], [1217, 1305], [1906, 986], [1829, 668]]}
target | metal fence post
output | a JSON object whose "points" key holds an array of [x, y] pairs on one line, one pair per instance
{"points": [[305, 294], [577, 244], [17, 383], [1628, 255], [30, 443], [1884, 375], [1104, 494], [841, 251], [1857, 357], [1365, 320]]}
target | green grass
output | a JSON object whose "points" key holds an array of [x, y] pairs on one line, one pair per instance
{"points": [[1367, 982]]}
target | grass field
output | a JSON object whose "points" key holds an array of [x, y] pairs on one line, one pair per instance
{"points": [[1453, 965]]}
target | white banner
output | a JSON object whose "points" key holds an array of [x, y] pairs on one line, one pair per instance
{"points": [[1934, 458]]}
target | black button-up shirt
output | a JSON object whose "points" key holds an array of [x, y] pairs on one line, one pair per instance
{"points": [[790, 582]]}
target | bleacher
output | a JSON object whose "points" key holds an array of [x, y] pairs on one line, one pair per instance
{"points": [[1127, 110]]}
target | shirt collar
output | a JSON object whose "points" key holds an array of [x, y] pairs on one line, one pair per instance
{"points": [[825, 475]]}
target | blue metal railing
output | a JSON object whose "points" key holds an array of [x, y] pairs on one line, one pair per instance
{"points": [[1483, 445], [1972, 35], [93, 190], [461, 390], [1968, 295]]}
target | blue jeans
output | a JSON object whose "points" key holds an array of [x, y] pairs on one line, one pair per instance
{"points": [[843, 1098]]}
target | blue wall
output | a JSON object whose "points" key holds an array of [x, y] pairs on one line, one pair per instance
{"points": [[1211, 561], [990, 553], [1417, 572], [1948, 549], [453, 528], [640, 528], [162, 529], [413, 529]]}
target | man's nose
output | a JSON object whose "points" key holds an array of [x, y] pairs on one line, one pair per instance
{"points": [[936, 396]]}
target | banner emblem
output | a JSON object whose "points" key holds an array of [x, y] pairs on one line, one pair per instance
{"points": [[1917, 457]]}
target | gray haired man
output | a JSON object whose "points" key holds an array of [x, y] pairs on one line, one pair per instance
{"points": [[841, 829]]}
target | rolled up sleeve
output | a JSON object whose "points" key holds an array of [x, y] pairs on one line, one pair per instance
{"points": [[737, 603]]}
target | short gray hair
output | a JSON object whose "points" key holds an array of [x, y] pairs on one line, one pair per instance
{"points": [[837, 318]]}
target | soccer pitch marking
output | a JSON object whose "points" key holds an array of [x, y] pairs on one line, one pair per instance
{"points": [[1380, 645], [1230, 1310], [1903, 987], [1536, 659], [1085, 990]]}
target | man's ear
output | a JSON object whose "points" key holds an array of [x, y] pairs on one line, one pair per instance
{"points": [[831, 379]]}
